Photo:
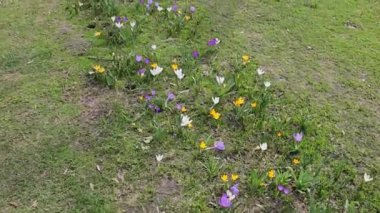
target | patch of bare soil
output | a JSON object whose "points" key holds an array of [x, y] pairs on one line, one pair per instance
{"points": [[167, 189]]}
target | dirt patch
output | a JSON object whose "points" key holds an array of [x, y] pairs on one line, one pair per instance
{"points": [[94, 104], [167, 189], [77, 45], [10, 77]]}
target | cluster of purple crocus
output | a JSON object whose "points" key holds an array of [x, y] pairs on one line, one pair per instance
{"points": [[219, 145], [283, 189], [149, 96], [213, 42], [227, 197], [195, 54], [121, 19], [140, 59]]}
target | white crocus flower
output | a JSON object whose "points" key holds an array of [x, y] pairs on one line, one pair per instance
{"points": [[179, 74], [220, 80], [260, 71], [215, 100], [80, 4], [154, 47], [156, 70], [169, 9], [185, 120], [133, 24], [113, 18], [159, 8], [263, 146], [367, 177], [159, 158], [267, 84], [119, 25]]}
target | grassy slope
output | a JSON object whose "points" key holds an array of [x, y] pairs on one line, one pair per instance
{"points": [[322, 66], [43, 131]]}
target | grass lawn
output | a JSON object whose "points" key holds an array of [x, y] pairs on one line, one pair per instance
{"points": [[70, 143]]}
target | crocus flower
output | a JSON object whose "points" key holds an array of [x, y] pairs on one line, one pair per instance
{"points": [[171, 96], [214, 114], [178, 106], [296, 161], [367, 178], [174, 7], [185, 120], [139, 58], [179, 74], [239, 101], [298, 136], [245, 59], [283, 189], [224, 178], [267, 84], [150, 2], [156, 70], [220, 80], [192, 9], [235, 190], [99, 69], [147, 60], [157, 109], [159, 8], [195, 54], [153, 92], [260, 71], [213, 42], [263, 146], [271, 173], [234, 177], [224, 201], [219, 145], [154, 47], [141, 72], [159, 158], [97, 34], [202, 145], [119, 25], [133, 24], [215, 100]]}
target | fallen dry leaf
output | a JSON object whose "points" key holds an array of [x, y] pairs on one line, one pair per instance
{"points": [[98, 168]]}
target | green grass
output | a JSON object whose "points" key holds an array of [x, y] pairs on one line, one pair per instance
{"points": [[56, 127]]}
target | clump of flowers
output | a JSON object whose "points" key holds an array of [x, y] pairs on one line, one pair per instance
{"points": [[227, 197], [214, 114], [213, 42], [283, 189], [155, 69], [218, 146], [185, 121], [239, 101]]}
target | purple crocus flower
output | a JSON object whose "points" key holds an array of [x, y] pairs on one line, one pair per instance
{"points": [[125, 19], [195, 54], [151, 106], [286, 191], [148, 97], [235, 190], [192, 9], [178, 106], [142, 1], [219, 146], [175, 7], [213, 42], [153, 92], [139, 58], [157, 109], [283, 189], [171, 96], [224, 201], [147, 60], [141, 71], [298, 136], [150, 2]]}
